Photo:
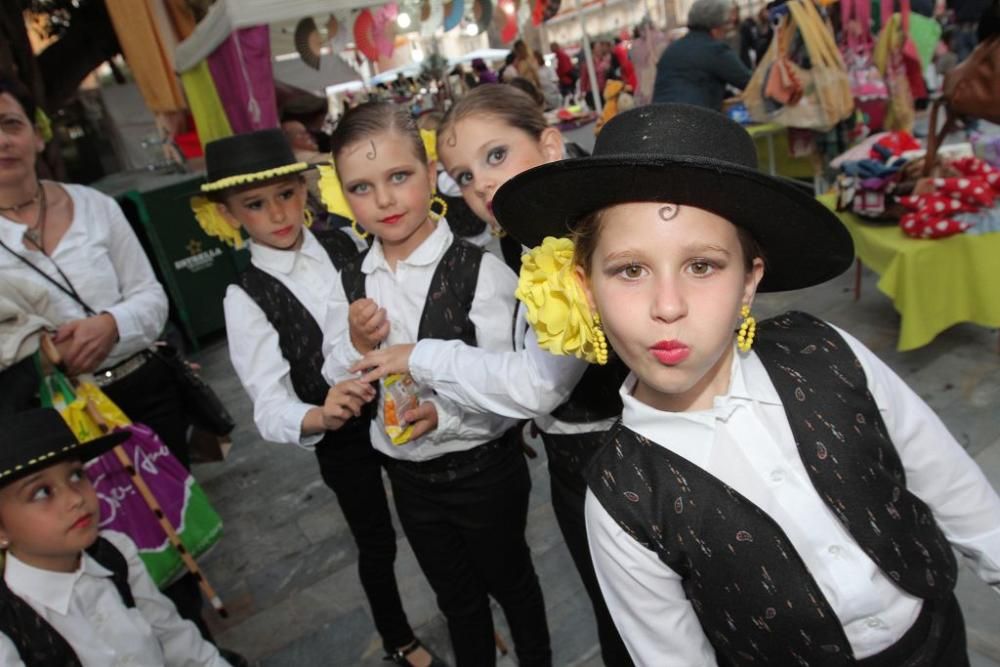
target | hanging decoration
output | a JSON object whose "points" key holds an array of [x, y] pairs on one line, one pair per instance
{"points": [[453, 13], [384, 29], [363, 35], [544, 10], [431, 17], [482, 14], [508, 14], [308, 42], [337, 32]]}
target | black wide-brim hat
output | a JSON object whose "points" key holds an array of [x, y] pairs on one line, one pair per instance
{"points": [[36, 439], [248, 158], [690, 156]]}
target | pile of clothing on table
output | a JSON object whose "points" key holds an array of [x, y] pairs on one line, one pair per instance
{"points": [[882, 179]]}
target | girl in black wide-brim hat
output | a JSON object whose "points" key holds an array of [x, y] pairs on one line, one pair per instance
{"points": [[774, 493]]}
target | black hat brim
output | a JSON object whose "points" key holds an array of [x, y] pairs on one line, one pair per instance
{"points": [[803, 241], [72, 450]]}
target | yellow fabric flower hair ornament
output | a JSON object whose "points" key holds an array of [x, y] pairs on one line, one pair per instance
{"points": [[557, 305], [212, 222], [429, 137]]}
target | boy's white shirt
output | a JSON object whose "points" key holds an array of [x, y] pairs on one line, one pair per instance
{"points": [[85, 608], [645, 597], [403, 294], [253, 343]]}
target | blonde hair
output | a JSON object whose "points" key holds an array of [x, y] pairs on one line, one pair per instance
{"points": [[508, 104]]}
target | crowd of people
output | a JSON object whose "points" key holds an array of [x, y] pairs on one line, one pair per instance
{"points": [[731, 491]]}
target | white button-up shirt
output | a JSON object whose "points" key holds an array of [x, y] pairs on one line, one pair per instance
{"points": [[253, 343], [107, 266], [85, 608], [746, 442], [403, 293]]}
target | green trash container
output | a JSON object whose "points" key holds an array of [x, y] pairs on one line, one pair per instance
{"points": [[194, 268]]}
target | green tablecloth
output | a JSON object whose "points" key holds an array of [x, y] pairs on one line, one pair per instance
{"points": [[933, 284], [773, 137]]}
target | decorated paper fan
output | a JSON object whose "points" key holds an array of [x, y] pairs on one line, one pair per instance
{"points": [[363, 37], [431, 17], [308, 42], [508, 13], [384, 29], [337, 32], [544, 10], [482, 13], [453, 13]]}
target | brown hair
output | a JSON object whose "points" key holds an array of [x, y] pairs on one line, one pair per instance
{"points": [[19, 92], [371, 118], [501, 101], [588, 231]]}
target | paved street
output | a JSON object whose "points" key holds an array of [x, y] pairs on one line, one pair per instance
{"points": [[286, 564]]}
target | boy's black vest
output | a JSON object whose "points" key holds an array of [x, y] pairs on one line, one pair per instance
{"points": [[299, 335], [595, 396], [449, 299], [37, 642], [755, 599]]}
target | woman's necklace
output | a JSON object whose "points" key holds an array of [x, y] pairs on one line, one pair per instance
{"points": [[36, 232], [25, 204]]}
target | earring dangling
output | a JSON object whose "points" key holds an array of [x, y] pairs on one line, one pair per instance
{"points": [[600, 342], [307, 217], [357, 230], [437, 215], [748, 329]]}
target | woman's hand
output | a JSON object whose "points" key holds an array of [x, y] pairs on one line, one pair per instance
{"points": [[378, 364], [86, 343], [369, 325]]}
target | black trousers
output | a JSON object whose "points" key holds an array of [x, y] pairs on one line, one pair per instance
{"points": [[465, 515], [936, 639], [353, 470], [149, 396], [568, 455]]}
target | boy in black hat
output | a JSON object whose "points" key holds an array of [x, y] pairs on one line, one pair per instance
{"points": [[273, 322], [773, 494], [70, 594]]}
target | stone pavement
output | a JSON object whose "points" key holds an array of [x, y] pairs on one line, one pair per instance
{"points": [[285, 566]]}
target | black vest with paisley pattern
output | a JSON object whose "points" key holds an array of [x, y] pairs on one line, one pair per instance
{"points": [[755, 599], [449, 298], [299, 335], [595, 397], [37, 642]]}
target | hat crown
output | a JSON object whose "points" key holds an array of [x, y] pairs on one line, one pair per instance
{"points": [[248, 153], [677, 131]]}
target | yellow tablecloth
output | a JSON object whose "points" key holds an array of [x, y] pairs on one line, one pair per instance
{"points": [[772, 144], [933, 284]]}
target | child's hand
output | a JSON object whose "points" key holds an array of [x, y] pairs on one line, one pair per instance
{"points": [[345, 400], [369, 325], [423, 418], [377, 364]]}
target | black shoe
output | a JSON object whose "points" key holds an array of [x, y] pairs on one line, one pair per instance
{"points": [[399, 657]]}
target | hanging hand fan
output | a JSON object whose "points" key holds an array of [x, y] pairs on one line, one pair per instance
{"points": [[453, 13], [363, 37], [308, 42], [384, 29], [544, 10], [482, 13], [337, 32], [508, 12], [431, 16]]}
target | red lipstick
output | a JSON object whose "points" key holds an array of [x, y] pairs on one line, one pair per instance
{"points": [[82, 522], [670, 352], [392, 219], [284, 231]]}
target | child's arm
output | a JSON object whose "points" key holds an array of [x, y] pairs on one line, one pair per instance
{"points": [[938, 469], [180, 640], [264, 372], [644, 596], [9, 657], [343, 401]]}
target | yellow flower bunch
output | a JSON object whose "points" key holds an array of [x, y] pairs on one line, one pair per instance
{"points": [[208, 215], [557, 305]]}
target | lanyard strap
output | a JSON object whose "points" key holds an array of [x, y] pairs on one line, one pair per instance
{"points": [[69, 291]]}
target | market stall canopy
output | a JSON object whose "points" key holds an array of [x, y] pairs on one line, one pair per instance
{"points": [[226, 16]]}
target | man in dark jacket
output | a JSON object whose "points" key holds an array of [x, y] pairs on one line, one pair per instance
{"points": [[696, 68]]}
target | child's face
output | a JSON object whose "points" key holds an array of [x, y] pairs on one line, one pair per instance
{"points": [[49, 517], [271, 213], [482, 153], [388, 188], [668, 282]]}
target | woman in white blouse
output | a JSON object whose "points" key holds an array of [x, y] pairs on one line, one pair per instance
{"points": [[75, 242]]}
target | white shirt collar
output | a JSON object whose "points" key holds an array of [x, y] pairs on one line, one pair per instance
{"points": [[691, 434], [53, 590], [283, 261], [427, 253]]}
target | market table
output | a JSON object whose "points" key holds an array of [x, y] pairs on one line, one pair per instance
{"points": [[933, 284], [774, 153]]}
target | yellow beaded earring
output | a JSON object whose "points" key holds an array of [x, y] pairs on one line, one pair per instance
{"points": [[748, 329], [600, 342], [362, 234], [437, 215], [307, 217]]}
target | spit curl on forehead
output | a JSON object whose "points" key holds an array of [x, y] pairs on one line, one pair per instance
{"points": [[359, 126]]}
